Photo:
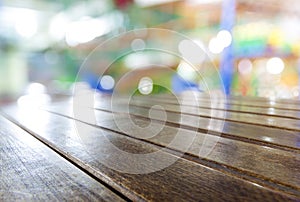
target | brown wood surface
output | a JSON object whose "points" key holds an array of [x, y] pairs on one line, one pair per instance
{"points": [[254, 108], [251, 160], [240, 101], [262, 134], [293, 114], [246, 162], [255, 119], [30, 171]]}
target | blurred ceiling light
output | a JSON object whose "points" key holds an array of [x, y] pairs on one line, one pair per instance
{"points": [[107, 82], [224, 37], [186, 71], [215, 46], [245, 66], [145, 85], [26, 22], [145, 3], [275, 65], [86, 30]]}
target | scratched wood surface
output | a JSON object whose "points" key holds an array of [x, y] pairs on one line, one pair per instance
{"points": [[244, 154]]}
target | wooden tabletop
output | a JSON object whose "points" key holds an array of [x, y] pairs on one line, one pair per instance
{"points": [[151, 148]]}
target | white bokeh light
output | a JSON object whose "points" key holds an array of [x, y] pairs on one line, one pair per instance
{"points": [[215, 46], [58, 26], [186, 71], [145, 86], [222, 40], [26, 23], [107, 82], [224, 37], [35, 88], [275, 65], [35, 96]]}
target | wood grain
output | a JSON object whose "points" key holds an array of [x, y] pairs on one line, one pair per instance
{"points": [[234, 130], [240, 156], [185, 180], [30, 171], [255, 119], [234, 100], [223, 105]]}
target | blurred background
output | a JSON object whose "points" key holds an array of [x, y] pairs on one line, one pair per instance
{"points": [[254, 44]]}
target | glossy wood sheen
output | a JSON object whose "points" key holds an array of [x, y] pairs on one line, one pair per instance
{"points": [[248, 159], [245, 132], [30, 171], [226, 106], [241, 101], [271, 111], [244, 154], [178, 180], [255, 119]]}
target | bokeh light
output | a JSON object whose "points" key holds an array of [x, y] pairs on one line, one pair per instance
{"points": [[215, 46], [275, 65], [107, 82], [145, 86], [224, 37], [245, 66], [256, 48], [186, 71]]}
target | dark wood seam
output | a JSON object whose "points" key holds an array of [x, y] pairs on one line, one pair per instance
{"points": [[228, 170], [121, 191]]}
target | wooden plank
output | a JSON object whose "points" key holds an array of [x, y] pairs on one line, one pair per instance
{"points": [[182, 181], [206, 104], [293, 101], [234, 130], [255, 119], [245, 155], [270, 111], [30, 171], [204, 98], [203, 95]]}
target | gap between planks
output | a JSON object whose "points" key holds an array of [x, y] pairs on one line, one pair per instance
{"points": [[227, 169], [90, 171]]}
